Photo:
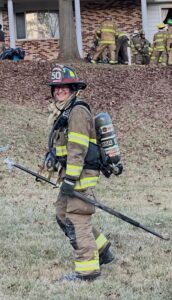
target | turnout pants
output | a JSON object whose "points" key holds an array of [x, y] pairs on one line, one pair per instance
{"points": [[74, 218], [170, 57], [121, 50], [159, 57], [101, 48]]}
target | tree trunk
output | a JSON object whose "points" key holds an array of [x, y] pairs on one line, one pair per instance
{"points": [[68, 43]]}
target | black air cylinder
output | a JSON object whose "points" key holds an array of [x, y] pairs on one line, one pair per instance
{"points": [[106, 137]]}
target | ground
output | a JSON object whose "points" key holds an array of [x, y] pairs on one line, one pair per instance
{"points": [[34, 252]]}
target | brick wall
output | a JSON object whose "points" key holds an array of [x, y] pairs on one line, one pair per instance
{"points": [[126, 14]]}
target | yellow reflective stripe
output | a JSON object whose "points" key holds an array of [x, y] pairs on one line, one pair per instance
{"points": [[91, 265], [61, 150], [101, 241], [78, 138], [160, 48], [107, 42], [93, 141], [73, 170], [121, 34], [159, 40], [108, 30], [86, 182]]}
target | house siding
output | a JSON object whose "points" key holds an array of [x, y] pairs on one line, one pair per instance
{"points": [[126, 14]]}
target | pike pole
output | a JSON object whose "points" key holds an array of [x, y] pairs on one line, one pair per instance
{"points": [[84, 198]]}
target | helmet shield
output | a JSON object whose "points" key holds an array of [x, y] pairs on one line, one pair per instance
{"points": [[62, 75]]}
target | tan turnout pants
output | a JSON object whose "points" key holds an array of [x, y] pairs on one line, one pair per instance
{"points": [[159, 56], [74, 218], [102, 47]]}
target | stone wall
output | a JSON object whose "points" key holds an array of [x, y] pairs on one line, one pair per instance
{"points": [[126, 14]]}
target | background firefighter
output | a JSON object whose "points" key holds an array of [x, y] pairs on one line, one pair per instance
{"points": [[107, 33], [121, 48], [169, 41], [145, 49], [71, 138], [2, 40], [104, 57], [135, 44], [159, 54]]}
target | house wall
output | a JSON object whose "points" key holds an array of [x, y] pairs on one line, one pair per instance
{"points": [[155, 17], [126, 14]]}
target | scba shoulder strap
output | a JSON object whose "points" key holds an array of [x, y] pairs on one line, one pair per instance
{"points": [[81, 103], [62, 120]]}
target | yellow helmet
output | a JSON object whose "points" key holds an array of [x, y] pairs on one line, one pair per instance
{"points": [[161, 25]]}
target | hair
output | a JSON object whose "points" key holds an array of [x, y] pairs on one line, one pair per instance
{"points": [[73, 88]]}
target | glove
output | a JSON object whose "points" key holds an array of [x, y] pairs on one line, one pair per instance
{"points": [[118, 169], [67, 187], [50, 161]]}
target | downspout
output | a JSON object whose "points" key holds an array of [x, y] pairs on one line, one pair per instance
{"points": [[78, 27], [11, 23], [144, 16]]}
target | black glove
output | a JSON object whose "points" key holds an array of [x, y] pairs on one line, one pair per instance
{"points": [[50, 160], [118, 169], [170, 45], [67, 187]]}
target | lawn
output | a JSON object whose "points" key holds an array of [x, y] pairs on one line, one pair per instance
{"points": [[34, 252]]}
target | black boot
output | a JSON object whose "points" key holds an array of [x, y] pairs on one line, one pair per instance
{"points": [[77, 278], [105, 257]]}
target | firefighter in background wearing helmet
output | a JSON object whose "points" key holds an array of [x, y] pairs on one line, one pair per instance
{"points": [[159, 55], [169, 41], [107, 33], [121, 47], [70, 140], [135, 44], [146, 49]]}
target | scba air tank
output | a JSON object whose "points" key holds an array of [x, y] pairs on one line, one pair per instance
{"points": [[106, 137]]}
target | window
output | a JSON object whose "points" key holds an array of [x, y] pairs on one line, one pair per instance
{"points": [[37, 25]]}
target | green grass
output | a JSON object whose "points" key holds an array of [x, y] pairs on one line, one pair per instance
{"points": [[34, 253]]}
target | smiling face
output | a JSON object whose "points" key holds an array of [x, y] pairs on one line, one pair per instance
{"points": [[62, 93]]}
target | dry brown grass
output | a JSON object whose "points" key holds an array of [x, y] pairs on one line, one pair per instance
{"points": [[34, 252]]}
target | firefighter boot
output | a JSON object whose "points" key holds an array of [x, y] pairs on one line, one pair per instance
{"points": [[77, 278], [106, 256]]}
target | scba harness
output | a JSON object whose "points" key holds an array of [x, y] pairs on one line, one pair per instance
{"points": [[103, 156]]}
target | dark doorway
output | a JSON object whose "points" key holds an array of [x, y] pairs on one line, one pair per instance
{"points": [[169, 16]]}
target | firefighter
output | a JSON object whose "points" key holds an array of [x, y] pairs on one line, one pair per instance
{"points": [[71, 143], [2, 40], [145, 49], [159, 55], [135, 44], [121, 48], [169, 41], [107, 33], [103, 58]]}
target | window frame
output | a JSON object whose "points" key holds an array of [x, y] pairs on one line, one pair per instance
{"points": [[31, 39]]}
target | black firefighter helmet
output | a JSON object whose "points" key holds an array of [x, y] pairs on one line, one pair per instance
{"points": [[63, 75]]}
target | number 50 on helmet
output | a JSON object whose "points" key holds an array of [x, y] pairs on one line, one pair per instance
{"points": [[61, 76]]}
